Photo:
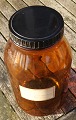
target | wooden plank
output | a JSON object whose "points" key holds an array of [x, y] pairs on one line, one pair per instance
{"points": [[69, 19], [73, 59], [72, 83], [70, 116], [6, 111], [69, 102], [56, 115], [32, 2], [17, 5], [74, 1], [2, 46], [70, 35], [6, 9], [4, 26], [69, 5], [7, 90]]}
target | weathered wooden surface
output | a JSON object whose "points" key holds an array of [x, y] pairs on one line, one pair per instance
{"points": [[69, 19], [69, 5], [6, 110], [74, 1], [17, 5], [67, 8], [70, 116]]}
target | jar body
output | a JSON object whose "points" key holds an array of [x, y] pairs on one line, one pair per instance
{"points": [[46, 69]]}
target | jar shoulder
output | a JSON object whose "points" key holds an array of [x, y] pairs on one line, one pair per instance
{"points": [[55, 57]]}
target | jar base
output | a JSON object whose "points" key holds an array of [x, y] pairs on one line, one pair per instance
{"points": [[42, 112]]}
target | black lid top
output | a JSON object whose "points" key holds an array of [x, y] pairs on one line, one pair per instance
{"points": [[36, 27]]}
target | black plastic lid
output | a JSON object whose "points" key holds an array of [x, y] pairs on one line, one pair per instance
{"points": [[36, 27]]}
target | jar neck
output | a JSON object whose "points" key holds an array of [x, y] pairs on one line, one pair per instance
{"points": [[35, 43]]}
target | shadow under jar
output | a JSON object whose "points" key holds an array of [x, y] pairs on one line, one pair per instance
{"points": [[38, 59]]}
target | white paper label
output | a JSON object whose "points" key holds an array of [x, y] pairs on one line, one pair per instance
{"points": [[37, 94]]}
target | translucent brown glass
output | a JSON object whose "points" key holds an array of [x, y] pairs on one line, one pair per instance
{"points": [[39, 69]]}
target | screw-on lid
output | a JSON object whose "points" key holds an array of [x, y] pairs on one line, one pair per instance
{"points": [[36, 27]]}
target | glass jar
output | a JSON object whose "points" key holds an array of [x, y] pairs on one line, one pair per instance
{"points": [[38, 59]]}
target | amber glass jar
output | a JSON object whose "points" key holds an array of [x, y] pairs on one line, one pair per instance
{"points": [[38, 59]]}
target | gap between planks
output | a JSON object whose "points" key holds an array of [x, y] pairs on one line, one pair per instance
{"points": [[74, 1], [17, 5], [69, 5], [69, 19]]}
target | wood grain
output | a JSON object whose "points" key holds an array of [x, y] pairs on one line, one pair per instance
{"points": [[4, 26], [73, 59], [72, 83], [17, 5], [70, 35], [69, 19], [73, 1], [69, 5], [6, 9], [7, 90], [32, 2], [2, 46], [70, 116], [69, 103], [6, 111]]}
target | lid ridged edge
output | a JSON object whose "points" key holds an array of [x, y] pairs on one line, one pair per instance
{"points": [[36, 44]]}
